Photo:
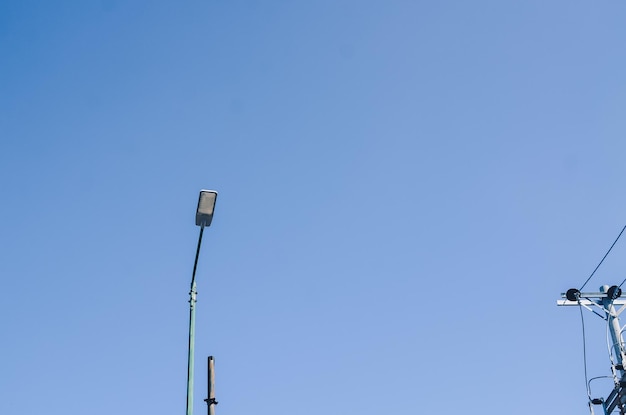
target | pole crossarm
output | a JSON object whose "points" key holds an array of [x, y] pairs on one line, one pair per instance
{"points": [[588, 304], [586, 301]]}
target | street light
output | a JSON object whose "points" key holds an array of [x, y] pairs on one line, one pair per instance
{"points": [[204, 216], [206, 205]]}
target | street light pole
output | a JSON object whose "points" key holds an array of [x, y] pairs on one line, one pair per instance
{"points": [[204, 216], [193, 293]]}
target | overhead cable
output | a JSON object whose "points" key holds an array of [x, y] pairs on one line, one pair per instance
{"points": [[604, 257]]}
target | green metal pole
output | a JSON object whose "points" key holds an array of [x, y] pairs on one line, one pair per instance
{"points": [[192, 329]]}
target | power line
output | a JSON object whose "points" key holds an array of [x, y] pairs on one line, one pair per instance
{"points": [[604, 257], [582, 320]]}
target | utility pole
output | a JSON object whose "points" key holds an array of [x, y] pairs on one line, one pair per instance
{"points": [[606, 301]]}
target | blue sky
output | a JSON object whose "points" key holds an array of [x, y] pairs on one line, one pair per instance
{"points": [[406, 187]]}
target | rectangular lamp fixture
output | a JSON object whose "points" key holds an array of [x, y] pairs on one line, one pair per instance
{"points": [[206, 205]]}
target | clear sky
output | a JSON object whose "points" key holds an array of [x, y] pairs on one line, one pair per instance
{"points": [[406, 187]]}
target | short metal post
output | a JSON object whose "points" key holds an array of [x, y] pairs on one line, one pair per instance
{"points": [[210, 401]]}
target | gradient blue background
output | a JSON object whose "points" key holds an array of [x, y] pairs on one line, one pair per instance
{"points": [[406, 187]]}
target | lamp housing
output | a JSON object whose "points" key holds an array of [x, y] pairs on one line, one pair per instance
{"points": [[206, 206]]}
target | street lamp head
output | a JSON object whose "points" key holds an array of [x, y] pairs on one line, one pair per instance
{"points": [[206, 205]]}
